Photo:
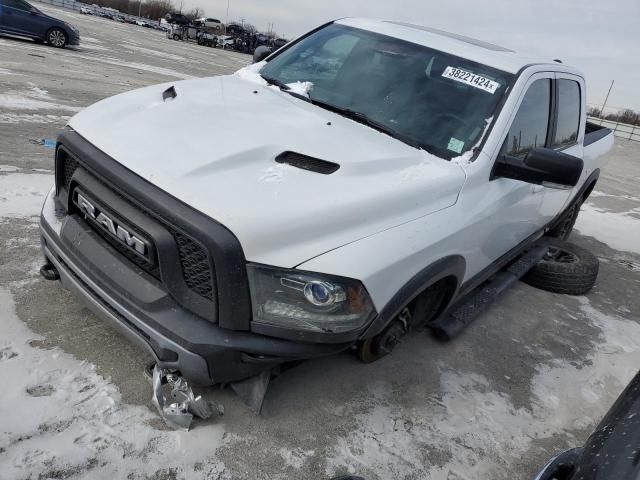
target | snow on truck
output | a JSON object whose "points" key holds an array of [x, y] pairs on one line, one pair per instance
{"points": [[369, 177]]}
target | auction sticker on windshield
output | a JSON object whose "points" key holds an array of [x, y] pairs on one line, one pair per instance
{"points": [[477, 81]]}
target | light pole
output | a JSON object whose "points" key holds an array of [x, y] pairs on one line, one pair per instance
{"points": [[226, 22], [139, 8]]}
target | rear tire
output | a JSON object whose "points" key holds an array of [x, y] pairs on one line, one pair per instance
{"points": [[57, 37], [566, 269]]}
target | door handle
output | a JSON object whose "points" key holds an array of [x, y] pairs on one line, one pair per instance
{"points": [[536, 188]]}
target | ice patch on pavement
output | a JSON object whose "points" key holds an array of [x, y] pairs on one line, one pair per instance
{"points": [[22, 194], [155, 53], [138, 66], [34, 98], [15, 118], [4, 71], [8, 168], [621, 231], [297, 457], [478, 432], [62, 419]]}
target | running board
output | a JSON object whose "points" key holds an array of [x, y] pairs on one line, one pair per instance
{"points": [[450, 325]]}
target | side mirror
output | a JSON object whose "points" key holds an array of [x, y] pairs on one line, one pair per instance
{"points": [[261, 53], [541, 166], [34, 11]]}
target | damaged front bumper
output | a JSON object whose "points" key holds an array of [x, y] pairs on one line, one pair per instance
{"points": [[146, 313]]}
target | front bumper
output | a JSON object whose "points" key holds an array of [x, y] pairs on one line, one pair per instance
{"points": [[137, 305]]}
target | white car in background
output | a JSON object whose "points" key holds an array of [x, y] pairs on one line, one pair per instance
{"points": [[86, 11], [209, 23]]}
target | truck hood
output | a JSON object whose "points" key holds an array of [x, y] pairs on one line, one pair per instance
{"points": [[214, 146]]}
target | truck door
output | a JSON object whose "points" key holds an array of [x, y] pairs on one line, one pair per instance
{"points": [[567, 136], [506, 212]]}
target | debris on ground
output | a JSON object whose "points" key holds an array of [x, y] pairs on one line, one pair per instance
{"points": [[179, 408]]}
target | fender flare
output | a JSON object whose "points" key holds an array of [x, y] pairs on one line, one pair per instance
{"points": [[584, 192], [450, 266]]}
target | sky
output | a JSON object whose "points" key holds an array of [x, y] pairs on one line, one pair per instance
{"points": [[601, 38]]}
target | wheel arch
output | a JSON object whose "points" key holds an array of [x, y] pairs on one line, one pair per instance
{"points": [[451, 268]]}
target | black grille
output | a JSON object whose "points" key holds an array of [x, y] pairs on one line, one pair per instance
{"points": [[69, 166], [194, 260], [195, 265]]}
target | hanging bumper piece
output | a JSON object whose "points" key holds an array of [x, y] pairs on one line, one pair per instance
{"points": [[182, 405]]}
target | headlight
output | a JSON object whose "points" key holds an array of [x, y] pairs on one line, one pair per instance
{"points": [[307, 301]]}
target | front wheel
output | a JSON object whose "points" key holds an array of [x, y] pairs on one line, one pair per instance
{"points": [[176, 36], [56, 37], [564, 228]]}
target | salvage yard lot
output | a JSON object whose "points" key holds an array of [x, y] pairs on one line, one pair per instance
{"points": [[529, 378]]}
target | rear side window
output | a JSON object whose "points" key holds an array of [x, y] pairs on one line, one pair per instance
{"points": [[568, 113], [17, 4], [530, 126]]}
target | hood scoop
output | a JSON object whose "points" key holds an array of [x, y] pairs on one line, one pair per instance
{"points": [[307, 163], [169, 94]]}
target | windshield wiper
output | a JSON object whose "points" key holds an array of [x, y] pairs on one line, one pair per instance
{"points": [[278, 83], [365, 120], [284, 87]]}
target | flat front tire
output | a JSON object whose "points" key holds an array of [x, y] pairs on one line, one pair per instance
{"points": [[57, 37], [566, 268]]}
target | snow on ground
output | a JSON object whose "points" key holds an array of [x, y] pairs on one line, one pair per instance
{"points": [[22, 194], [61, 419], [137, 65], [33, 118], [34, 98], [481, 428], [619, 230]]}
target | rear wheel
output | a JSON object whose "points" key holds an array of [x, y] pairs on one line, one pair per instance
{"points": [[176, 36], [566, 268], [56, 37]]}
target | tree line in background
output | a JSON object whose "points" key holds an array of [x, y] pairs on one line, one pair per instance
{"points": [[624, 116]]}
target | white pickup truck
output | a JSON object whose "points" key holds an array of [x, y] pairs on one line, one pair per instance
{"points": [[367, 178]]}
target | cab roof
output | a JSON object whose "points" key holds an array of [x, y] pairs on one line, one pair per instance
{"points": [[476, 50]]}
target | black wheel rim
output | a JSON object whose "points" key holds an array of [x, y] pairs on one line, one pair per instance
{"points": [[560, 255]]}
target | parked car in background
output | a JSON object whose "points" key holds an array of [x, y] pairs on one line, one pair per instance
{"points": [[20, 18], [177, 18], [226, 42], [279, 43], [234, 30], [86, 11], [142, 23], [209, 23], [118, 18]]}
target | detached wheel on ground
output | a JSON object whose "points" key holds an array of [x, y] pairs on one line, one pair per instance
{"points": [[57, 37], [566, 268]]}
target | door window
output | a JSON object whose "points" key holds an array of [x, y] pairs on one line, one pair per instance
{"points": [[568, 113], [530, 126], [17, 4]]}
